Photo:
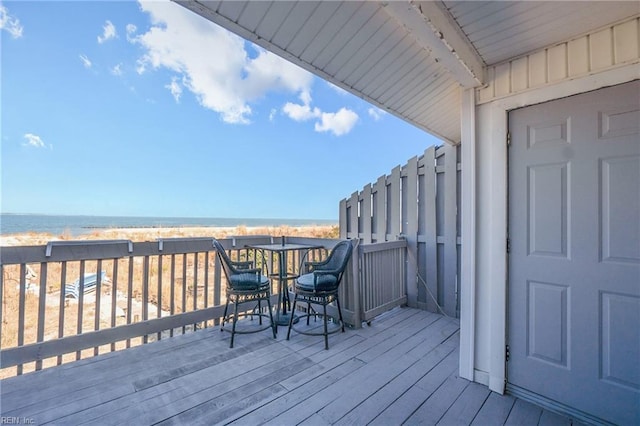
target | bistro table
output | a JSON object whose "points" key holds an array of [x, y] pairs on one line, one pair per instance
{"points": [[281, 248]]}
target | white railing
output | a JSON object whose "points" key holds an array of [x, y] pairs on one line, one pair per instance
{"points": [[383, 278], [123, 294], [126, 294]]}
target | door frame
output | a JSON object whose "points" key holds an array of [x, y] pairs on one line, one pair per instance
{"points": [[493, 130]]}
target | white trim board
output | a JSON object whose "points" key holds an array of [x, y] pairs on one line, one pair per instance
{"points": [[468, 228], [483, 337]]}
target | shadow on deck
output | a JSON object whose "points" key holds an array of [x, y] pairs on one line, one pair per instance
{"points": [[401, 369]]}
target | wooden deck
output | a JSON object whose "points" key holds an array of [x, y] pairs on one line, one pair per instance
{"points": [[400, 370]]}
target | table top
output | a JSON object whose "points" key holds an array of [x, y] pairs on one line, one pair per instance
{"points": [[286, 247]]}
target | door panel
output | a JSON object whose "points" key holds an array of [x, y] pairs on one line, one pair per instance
{"points": [[574, 263], [547, 315], [620, 199], [619, 310], [548, 201]]}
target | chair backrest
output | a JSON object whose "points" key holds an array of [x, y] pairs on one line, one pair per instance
{"points": [[338, 258], [224, 260]]}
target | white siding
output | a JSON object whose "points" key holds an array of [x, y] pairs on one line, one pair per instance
{"points": [[604, 49], [502, 30]]}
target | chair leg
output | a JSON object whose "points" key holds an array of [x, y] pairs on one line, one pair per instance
{"points": [[295, 300], [340, 313], [274, 329], [235, 319], [224, 316], [326, 334], [259, 312]]}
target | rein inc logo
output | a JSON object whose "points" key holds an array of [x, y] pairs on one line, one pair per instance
{"points": [[16, 420]]}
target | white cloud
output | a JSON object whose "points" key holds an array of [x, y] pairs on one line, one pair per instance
{"points": [[10, 23], [339, 123], [141, 67], [117, 70], [272, 114], [33, 140], [175, 89], [109, 32], [305, 97], [299, 112], [376, 113], [212, 62], [131, 30], [270, 72], [85, 61]]}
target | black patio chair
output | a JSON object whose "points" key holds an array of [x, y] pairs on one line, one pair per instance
{"points": [[244, 284], [320, 287]]}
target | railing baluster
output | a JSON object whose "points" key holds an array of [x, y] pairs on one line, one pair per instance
{"points": [[195, 285], [42, 301], [217, 286], [98, 304], [375, 279], [21, 309], [62, 306], [173, 289], [159, 296], [184, 288], [145, 294], [206, 283], [129, 295], [80, 304], [114, 297]]}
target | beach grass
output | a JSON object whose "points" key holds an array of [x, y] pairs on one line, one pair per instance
{"points": [[152, 233]]}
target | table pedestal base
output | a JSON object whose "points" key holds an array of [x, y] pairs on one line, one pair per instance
{"points": [[283, 319]]}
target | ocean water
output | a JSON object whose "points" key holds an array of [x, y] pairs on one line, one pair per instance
{"points": [[78, 225]]}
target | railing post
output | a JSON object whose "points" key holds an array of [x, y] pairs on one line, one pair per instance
{"points": [[355, 283], [342, 220], [353, 218], [410, 229], [450, 231]]}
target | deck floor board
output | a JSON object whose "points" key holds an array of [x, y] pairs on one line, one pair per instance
{"points": [[400, 370], [494, 411]]}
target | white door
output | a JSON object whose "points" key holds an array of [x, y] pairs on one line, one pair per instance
{"points": [[574, 261]]}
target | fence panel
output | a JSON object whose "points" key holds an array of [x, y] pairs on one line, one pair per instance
{"points": [[382, 269], [419, 203]]}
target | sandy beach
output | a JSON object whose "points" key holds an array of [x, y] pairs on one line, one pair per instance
{"points": [[151, 234]]}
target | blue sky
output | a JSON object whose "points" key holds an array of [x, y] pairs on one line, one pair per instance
{"points": [[146, 109]]}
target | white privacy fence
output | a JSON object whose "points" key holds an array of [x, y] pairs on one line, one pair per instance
{"points": [[417, 203]]}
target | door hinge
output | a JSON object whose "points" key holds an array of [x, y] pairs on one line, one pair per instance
{"points": [[508, 138], [507, 354], [508, 246]]}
